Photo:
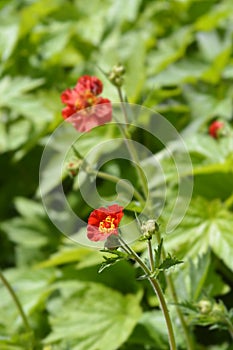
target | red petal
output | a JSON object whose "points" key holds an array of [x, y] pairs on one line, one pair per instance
{"points": [[214, 127], [87, 82], [68, 111]]}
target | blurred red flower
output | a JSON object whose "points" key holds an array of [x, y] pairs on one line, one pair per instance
{"points": [[104, 222], [215, 128], [84, 108]]}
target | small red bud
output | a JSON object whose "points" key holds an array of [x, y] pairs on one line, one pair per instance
{"points": [[214, 129]]}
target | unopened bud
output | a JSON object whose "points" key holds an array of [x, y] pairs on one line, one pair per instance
{"points": [[119, 69], [217, 129], [116, 75], [204, 306], [218, 310], [149, 228], [73, 166]]}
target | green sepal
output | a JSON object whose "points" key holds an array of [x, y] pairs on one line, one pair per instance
{"points": [[109, 261], [168, 262]]}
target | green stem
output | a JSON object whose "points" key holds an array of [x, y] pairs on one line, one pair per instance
{"points": [[131, 148], [163, 305], [230, 327], [76, 152], [229, 202], [122, 104], [151, 257], [171, 286], [17, 302], [156, 287]]}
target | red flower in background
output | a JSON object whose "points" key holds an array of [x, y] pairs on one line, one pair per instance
{"points": [[104, 222], [90, 83], [85, 109], [215, 128]]}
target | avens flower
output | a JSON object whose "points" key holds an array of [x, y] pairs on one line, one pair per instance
{"points": [[215, 128], [104, 222], [84, 108]]}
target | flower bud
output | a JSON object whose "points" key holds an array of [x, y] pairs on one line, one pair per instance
{"points": [[119, 69], [116, 75], [204, 306], [149, 228], [219, 311], [217, 129], [73, 166]]}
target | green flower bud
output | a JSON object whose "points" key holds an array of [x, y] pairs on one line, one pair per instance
{"points": [[204, 306], [218, 311], [149, 228], [73, 166], [118, 70], [116, 75]]}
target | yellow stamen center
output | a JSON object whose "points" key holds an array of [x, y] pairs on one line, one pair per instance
{"points": [[107, 225]]}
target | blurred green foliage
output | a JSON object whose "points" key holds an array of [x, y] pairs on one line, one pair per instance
{"points": [[179, 61]]}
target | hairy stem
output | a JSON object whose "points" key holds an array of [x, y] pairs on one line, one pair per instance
{"points": [[151, 257], [16, 301], [171, 286], [157, 289], [122, 104], [131, 148]]}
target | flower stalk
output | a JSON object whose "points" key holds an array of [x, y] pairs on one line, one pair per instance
{"points": [[157, 289], [130, 146], [18, 305], [171, 287], [122, 104], [150, 253]]}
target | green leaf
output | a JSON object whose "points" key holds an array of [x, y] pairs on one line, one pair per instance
{"points": [[113, 318], [205, 106], [135, 207], [185, 70], [212, 18], [32, 229], [35, 12], [26, 232], [109, 262], [12, 88], [9, 30], [121, 11], [168, 262], [169, 49], [83, 256], [27, 207], [206, 224], [209, 150], [150, 332], [198, 274], [32, 288]]}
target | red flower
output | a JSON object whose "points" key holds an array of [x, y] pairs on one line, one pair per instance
{"points": [[215, 128], [104, 222], [85, 109], [90, 83]]}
